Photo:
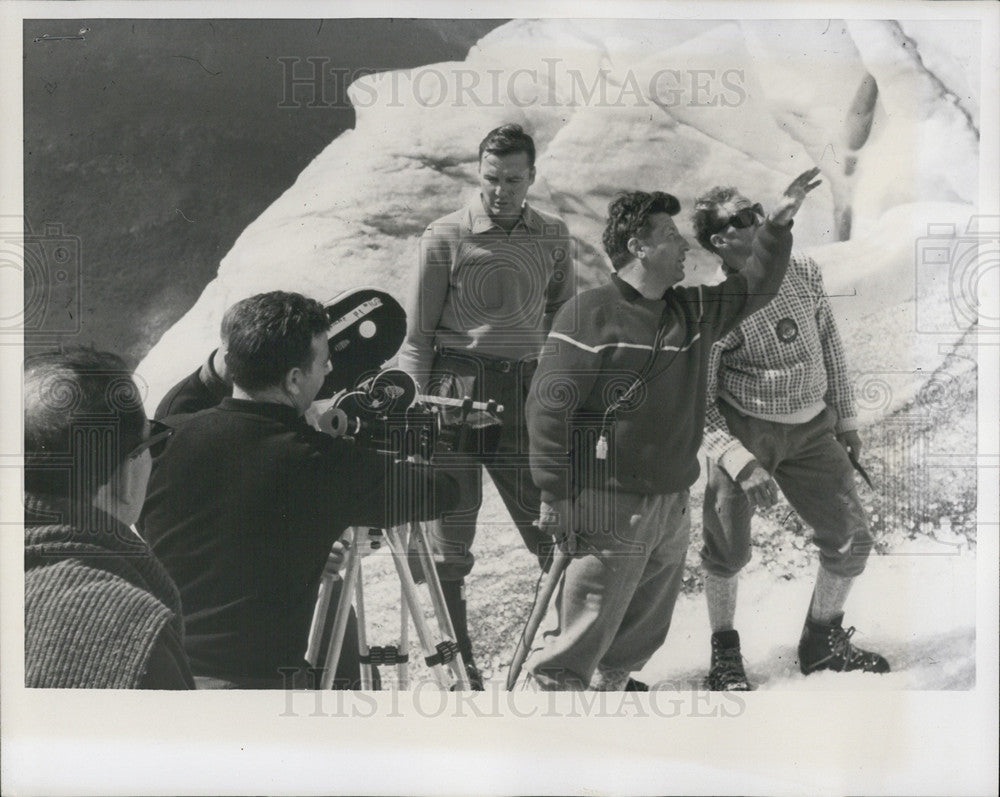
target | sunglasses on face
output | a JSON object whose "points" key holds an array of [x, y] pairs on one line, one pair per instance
{"points": [[743, 218], [159, 433]]}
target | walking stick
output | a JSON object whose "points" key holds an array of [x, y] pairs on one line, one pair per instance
{"points": [[559, 562]]}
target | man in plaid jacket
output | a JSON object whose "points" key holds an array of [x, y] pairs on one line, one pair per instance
{"points": [[782, 412]]}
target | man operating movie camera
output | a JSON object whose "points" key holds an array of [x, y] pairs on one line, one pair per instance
{"points": [[248, 499]]}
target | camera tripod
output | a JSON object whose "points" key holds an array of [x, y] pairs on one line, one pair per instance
{"points": [[442, 657]]}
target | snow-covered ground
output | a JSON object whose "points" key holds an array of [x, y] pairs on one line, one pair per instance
{"points": [[917, 607]]}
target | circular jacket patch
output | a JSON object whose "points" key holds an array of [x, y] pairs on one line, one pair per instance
{"points": [[787, 330]]}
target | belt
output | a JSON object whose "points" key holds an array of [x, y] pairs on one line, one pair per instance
{"points": [[487, 360]]}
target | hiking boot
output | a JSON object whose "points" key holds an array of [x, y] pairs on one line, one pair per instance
{"points": [[828, 647], [726, 673]]}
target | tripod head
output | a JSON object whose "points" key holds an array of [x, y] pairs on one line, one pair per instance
{"points": [[385, 412]]}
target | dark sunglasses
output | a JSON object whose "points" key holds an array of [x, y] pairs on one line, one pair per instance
{"points": [[743, 218], [159, 433]]}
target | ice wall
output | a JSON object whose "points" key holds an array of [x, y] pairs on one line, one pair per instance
{"points": [[888, 110]]}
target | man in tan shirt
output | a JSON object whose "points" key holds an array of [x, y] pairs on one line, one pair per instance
{"points": [[491, 277]]}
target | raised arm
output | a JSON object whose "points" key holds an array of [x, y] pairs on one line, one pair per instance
{"points": [[772, 246]]}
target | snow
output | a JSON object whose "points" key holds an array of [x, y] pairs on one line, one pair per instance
{"points": [[926, 630]]}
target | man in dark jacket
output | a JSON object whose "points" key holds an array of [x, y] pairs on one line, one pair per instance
{"points": [[207, 387], [99, 609], [615, 416], [247, 500]]}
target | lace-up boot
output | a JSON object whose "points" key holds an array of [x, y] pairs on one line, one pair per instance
{"points": [[727, 673], [829, 647]]}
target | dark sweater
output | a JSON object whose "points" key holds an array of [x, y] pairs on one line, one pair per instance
{"points": [[242, 509], [600, 343], [99, 610]]}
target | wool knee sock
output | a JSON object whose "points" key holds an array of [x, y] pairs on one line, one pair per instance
{"points": [[829, 596], [720, 593]]}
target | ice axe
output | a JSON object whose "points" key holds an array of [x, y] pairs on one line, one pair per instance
{"points": [[560, 560], [859, 467]]}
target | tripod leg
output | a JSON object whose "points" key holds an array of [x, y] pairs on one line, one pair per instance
{"points": [[445, 626], [403, 668], [367, 680], [343, 609], [319, 618], [398, 550]]}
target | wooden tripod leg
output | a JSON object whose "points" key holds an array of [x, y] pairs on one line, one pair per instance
{"points": [[445, 626], [367, 676], [403, 668], [343, 610], [398, 550], [315, 648]]}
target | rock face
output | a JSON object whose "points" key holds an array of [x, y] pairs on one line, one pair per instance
{"points": [[652, 104]]}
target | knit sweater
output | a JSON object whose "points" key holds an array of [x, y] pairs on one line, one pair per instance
{"points": [[600, 346], [99, 610], [485, 290], [784, 364]]}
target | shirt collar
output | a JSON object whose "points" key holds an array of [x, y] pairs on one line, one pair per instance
{"points": [[477, 220], [267, 409], [630, 294]]}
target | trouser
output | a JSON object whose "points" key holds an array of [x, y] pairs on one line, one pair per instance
{"points": [[507, 382], [816, 477], [616, 600]]}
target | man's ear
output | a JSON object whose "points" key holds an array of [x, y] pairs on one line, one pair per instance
{"points": [[531, 176], [634, 246], [717, 240], [116, 490], [292, 380]]}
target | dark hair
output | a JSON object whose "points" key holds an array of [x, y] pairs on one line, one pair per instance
{"points": [[706, 214], [269, 335], [506, 140], [628, 217], [83, 414], [226, 325]]}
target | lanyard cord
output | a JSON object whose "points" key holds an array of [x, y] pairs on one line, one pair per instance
{"points": [[661, 332]]}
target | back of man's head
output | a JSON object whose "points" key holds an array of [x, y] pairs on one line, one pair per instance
{"points": [[506, 140], [82, 416], [628, 217], [706, 214], [269, 335]]}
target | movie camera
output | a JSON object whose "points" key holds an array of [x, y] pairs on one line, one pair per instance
{"points": [[383, 410]]}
